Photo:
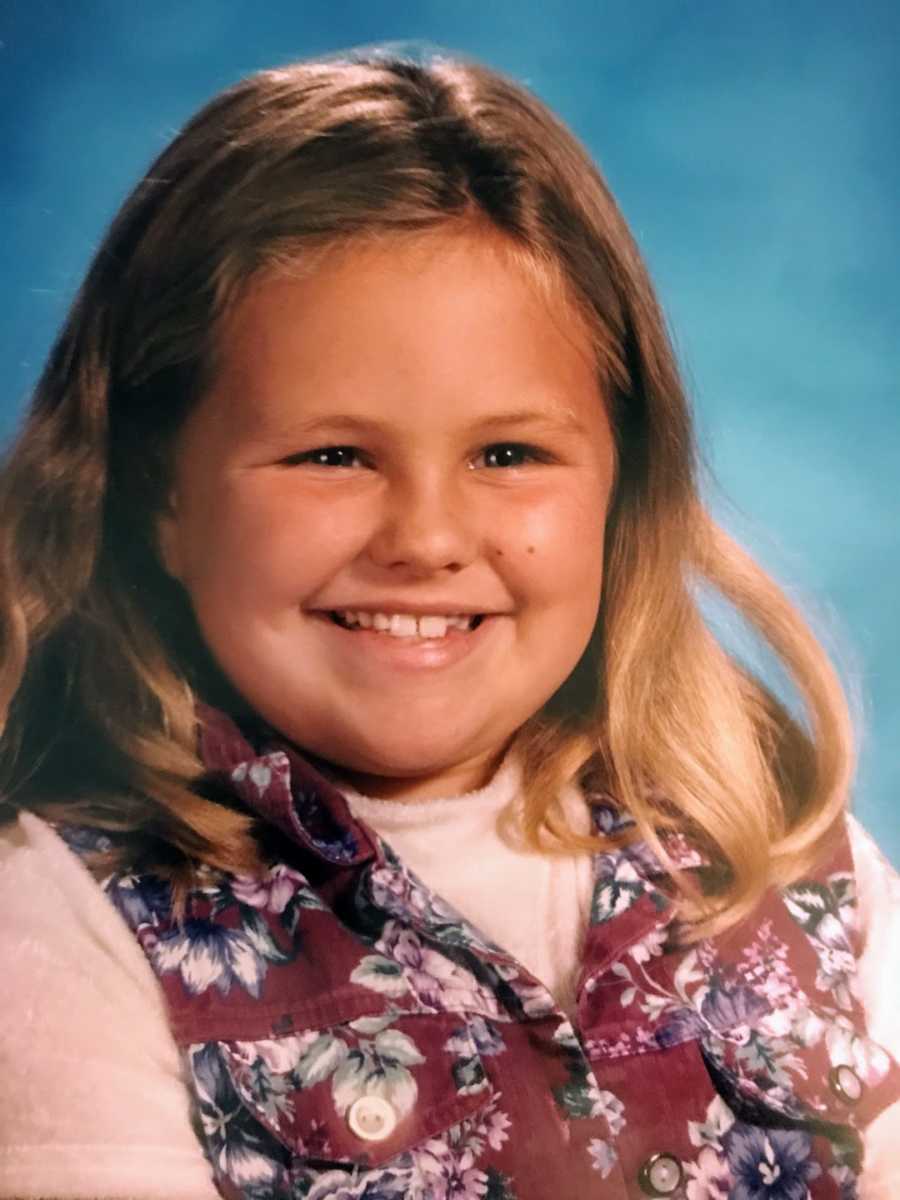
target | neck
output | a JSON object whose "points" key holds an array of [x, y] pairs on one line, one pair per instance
{"points": [[470, 776]]}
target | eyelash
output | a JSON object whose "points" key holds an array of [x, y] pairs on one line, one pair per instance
{"points": [[534, 453]]}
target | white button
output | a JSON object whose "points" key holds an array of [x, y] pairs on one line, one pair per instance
{"points": [[846, 1083], [372, 1118], [660, 1175]]}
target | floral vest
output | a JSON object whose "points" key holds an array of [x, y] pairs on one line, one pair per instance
{"points": [[347, 1034]]}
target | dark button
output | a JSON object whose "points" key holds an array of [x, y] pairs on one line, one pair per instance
{"points": [[661, 1175], [845, 1083]]}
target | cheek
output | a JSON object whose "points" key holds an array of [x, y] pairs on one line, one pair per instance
{"points": [[265, 542], [556, 546]]}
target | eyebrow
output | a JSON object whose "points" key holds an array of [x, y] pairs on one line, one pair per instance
{"points": [[562, 420]]}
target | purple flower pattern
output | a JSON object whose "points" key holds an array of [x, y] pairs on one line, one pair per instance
{"points": [[306, 990], [769, 1164]]}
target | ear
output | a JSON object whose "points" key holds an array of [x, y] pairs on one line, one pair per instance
{"points": [[168, 538]]}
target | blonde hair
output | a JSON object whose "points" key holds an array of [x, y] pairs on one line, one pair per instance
{"points": [[101, 661]]}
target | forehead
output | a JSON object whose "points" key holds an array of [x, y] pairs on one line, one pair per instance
{"points": [[456, 320]]}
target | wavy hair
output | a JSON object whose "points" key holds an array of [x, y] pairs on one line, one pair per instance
{"points": [[101, 661]]}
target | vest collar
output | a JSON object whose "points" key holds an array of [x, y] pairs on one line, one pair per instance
{"points": [[282, 786], [279, 783]]}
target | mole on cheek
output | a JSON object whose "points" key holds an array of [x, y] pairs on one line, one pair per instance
{"points": [[531, 549]]}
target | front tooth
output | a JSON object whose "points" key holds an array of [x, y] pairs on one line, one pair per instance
{"points": [[402, 625], [432, 627]]}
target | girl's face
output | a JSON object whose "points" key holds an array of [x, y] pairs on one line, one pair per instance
{"points": [[409, 430]]}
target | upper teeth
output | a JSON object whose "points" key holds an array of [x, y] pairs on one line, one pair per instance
{"points": [[406, 624]]}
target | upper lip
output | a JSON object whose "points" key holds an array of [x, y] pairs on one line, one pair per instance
{"points": [[419, 609]]}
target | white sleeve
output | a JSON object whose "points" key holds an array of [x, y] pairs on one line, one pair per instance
{"points": [[93, 1104], [878, 901]]}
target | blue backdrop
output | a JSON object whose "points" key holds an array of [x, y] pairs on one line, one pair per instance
{"points": [[753, 148]]}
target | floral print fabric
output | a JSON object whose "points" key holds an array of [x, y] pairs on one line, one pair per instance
{"points": [[338, 979]]}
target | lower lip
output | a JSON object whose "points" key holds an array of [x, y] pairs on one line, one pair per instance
{"points": [[412, 653]]}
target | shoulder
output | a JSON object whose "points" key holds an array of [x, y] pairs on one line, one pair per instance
{"points": [[878, 884], [84, 1034], [51, 900], [878, 977], [849, 911], [878, 929]]}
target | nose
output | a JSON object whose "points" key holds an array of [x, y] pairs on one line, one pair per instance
{"points": [[424, 526]]}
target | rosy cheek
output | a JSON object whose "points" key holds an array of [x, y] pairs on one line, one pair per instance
{"points": [[547, 534], [293, 537]]}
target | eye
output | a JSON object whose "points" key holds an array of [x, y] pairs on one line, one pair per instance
{"points": [[512, 454], [324, 456]]}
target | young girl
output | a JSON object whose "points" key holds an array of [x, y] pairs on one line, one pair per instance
{"points": [[382, 818]]}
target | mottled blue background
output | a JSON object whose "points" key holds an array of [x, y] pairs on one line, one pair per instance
{"points": [[754, 149]]}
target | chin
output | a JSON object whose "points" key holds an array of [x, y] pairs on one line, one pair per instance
{"points": [[406, 758]]}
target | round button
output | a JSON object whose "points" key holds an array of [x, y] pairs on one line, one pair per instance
{"points": [[845, 1083], [660, 1175], [372, 1118]]}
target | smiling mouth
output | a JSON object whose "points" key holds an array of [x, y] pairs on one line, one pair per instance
{"points": [[406, 625]]}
